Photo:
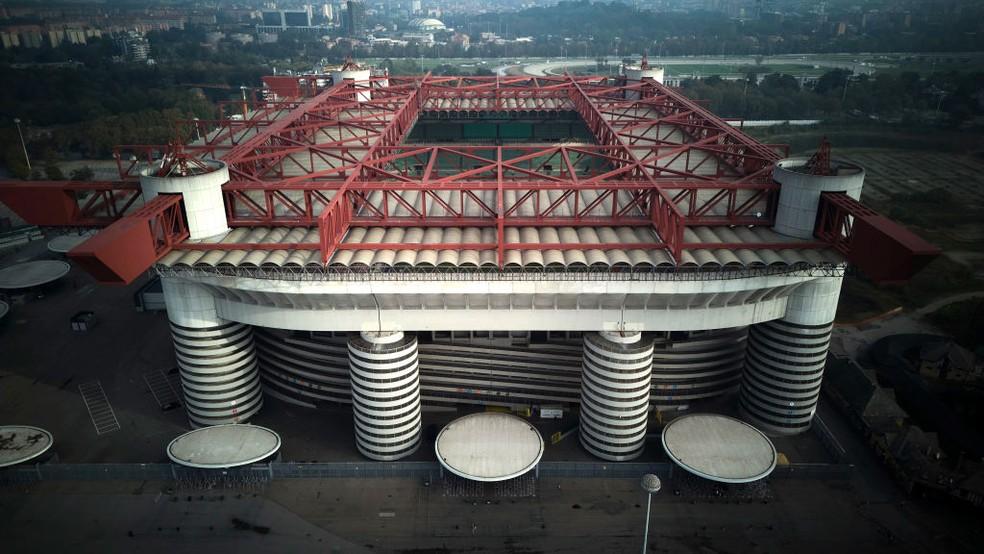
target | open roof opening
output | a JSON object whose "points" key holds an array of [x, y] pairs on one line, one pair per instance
{"points": [[500, 127]]}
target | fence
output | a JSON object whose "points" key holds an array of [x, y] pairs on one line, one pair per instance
{"points": [[828, 440], [813, 471], [261, 473], [321, 273]]}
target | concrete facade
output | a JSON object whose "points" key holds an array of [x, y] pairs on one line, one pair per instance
{"points": [[360, 77], [434, 303], [635, 74]]}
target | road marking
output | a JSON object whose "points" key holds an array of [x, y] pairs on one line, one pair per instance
{"points": [[100, 411], [162, 388]]}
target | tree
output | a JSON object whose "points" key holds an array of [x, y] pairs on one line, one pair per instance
{"points": [[13, 159], [83, 173], [52, 170], [832, 81]]}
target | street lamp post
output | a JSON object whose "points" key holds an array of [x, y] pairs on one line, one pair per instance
{"points": [[651, 484], [23, 144], [245, 109], [847, 79]]}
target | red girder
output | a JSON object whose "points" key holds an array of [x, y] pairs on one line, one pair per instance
{"points": [[69, 203], [337, 215], [121, 252], [666, 217], [326, 158], [882, 249]]}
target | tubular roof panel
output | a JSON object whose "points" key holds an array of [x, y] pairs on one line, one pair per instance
{"points": [[703, 258]]}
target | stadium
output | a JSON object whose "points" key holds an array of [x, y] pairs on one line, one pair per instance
{"points": [[598, 244]]}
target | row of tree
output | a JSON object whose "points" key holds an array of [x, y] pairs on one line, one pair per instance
{"points": [[85, 113], [953, 97], [600, 25]]}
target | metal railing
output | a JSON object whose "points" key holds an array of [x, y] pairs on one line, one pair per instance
{"points": [[258, 474], [321, 274]]}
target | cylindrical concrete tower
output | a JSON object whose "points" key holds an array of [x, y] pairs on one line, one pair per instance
{"points": [[361, 77], [382, 78], [636, 73], [785, 360], [216, 359], [385, 394], [799, 197], [201, 191], [616, 380]]}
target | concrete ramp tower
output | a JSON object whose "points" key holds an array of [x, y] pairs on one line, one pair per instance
{"points": [[385, 394], [635, 74], [216, 358], [785, 357], [616, 380]]}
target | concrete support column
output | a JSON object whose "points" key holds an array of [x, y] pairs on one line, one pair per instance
{"points": [[216, 358], [785, 359], [616, 380], [385, 394]]}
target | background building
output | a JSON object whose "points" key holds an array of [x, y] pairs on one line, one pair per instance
{"points": [[355, 18]]}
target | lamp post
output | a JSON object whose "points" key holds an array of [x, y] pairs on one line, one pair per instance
{"points": [[847, 79], [23, 144], [245, 109], [651, 484]]}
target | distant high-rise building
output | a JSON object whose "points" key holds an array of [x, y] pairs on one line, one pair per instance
{"points": [[272, 18], [355, 18], [415, 6], [297, 18], [287, 18], [328, 12]]}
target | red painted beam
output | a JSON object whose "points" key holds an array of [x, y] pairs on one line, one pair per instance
{"points": [[123, 251], [69, 203], [882, 249], [335, 218]]}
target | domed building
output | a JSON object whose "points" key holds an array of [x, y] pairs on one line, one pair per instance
{"points": [[427, 24]]}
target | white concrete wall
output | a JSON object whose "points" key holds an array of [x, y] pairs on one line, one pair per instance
{"points": [[814, 303], [409, 319], [635, 74], [189, 304], [799, 197], [360, 77], [501, 305], [203, 203]]}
